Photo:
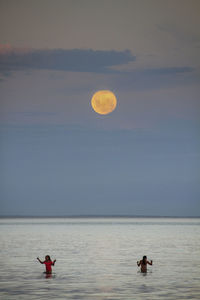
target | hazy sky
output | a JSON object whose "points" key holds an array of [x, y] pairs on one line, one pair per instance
{"points": [[59, 157]]}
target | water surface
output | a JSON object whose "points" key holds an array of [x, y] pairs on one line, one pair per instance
{"points": [[96, 258]]}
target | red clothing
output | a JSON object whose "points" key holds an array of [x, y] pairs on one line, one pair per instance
{"points": [[48, 264]]}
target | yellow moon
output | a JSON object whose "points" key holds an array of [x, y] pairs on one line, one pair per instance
{"points": [[104, 102]]}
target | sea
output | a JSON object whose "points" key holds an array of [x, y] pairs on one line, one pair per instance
{"points": [[96, 258]]}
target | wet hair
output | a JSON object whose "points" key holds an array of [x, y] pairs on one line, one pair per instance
{"points": [[143, 260], [48, 257]]}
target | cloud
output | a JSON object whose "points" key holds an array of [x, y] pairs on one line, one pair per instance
{"points": [[168, 71], [77, 60], [6, 49], [93, 61]]}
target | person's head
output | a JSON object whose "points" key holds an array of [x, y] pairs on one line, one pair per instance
{"points": [[47, 257], [144, 259]]}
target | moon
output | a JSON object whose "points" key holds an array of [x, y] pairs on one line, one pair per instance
{"points": [[104, 102]]}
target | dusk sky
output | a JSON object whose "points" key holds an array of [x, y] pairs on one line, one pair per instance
{"points": [[57, 155]]}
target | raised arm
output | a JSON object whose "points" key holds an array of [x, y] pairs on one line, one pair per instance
{"points": [[53, 263], [139, 263], [40, 260], [150, 262]]}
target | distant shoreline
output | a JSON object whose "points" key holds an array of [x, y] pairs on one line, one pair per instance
{"points": [[95, 216]]}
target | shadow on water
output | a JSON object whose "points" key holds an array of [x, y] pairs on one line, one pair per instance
{"points": [[52, 275], [145, 273], [44, 275]]}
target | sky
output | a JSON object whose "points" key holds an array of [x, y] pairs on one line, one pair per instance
{"points": [[58, 156]]}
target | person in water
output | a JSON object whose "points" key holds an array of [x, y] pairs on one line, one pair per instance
{"points": [[143, 263], [48, 263]]}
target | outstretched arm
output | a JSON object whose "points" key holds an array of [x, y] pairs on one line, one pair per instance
{"points": [[150, 262], [40, 260], [138, 263], [54, 262]]}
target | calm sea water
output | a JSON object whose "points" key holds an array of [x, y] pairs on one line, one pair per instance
{"points": [[96, 258]]}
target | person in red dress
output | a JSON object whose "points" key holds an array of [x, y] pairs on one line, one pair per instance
{"points": [[48, 263]]}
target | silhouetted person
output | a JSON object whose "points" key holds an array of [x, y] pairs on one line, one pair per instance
{"points": [[143, 263]]}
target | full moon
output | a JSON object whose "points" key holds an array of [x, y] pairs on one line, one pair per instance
{"points": [[104, 102]]}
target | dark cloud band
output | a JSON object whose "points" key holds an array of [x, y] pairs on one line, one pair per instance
{"points": [[77, 60]]}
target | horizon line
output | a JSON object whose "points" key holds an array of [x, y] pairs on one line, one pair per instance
{"points": [[94, 216]]}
